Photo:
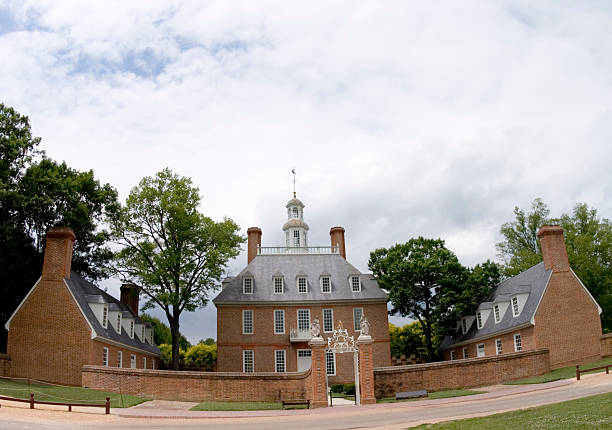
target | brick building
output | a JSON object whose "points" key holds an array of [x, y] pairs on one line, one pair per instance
{"points": [[265, 312], [65, 322], [546, 306]]}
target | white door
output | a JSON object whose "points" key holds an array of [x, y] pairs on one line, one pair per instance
{"points": [[304, 359]]}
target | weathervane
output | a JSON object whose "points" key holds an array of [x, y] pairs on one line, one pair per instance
{"points": [[293, 171]]}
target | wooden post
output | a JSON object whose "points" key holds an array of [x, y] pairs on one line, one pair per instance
{"points": [[577, 372], [107, 405], [31, 400]]}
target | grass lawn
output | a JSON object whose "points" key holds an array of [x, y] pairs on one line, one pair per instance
{"points": [[237, 406], [53, 393], [593, 412], [562, 373], [435, 395]]}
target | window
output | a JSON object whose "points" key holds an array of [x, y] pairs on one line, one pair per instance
{"points": [[279, 321], [518, 345], [133, 361], [355, 284], [515, 307], [303, 317], [248, 362], [452, 355], [294, 212], [132, 329], [104, 316], [105, 357], [330, 363], [465, 352], [479, 319], [247, 322], [357, 314], [153, 363], [247, 285], [498, 346], [296, 238], [328, 320], [480, 350], [278, 285], [119, 323], [496, 313], [144, 362], [120, 359], [325, 284], [464, 325], [279, 360], [302, 285]]}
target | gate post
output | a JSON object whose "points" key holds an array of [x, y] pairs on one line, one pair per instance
{"points": [[366, 369], [318, 373]]}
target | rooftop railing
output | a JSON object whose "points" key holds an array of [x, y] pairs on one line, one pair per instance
{"points": [[283, 250]]}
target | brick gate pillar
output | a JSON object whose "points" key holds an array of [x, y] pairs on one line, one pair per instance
{"points": [[366, 369], [318, 373]]}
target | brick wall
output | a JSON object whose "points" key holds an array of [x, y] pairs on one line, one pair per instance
{"points": [[472, 372], [5, 365], [567, 322], [231, 342], [198, 386], [606, 345], [527, 343]]}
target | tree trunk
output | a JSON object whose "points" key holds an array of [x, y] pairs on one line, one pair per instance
{"points": [[174, 330], [428, 342]]}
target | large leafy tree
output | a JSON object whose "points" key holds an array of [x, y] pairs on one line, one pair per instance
{"points": [[588, 240], [173, 252]]}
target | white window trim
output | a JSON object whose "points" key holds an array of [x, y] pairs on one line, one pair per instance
{"points": [[321, 283], [105, 357], [283, 320], [464, 325], [351, 283], [244, 312], [244, 353], [464, 352], [452, 355], [118, 328], [133, 364], [497, 314], [478, 350], [297, 284], [332, 320], [357, 323], [516, 349], [274, 278], [284, 353], [244, 291], [131, 329], [144, 362], [105, 316], [479, 320], [498, 346], [333, 355], [297, 316], [518, 306], [119, 358]]}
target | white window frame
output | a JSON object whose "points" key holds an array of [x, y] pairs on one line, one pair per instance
{"points": [[452, 355], [153, 363], [352, 278], [295, 212], [357, 323], [498, 346], [280, 361], [118, 328], [330, 363], [244, 321], [479, 319], [119, 359], [131, 329], [328, 278], [282, 284], [144, 362], [105, 316], [133, 361], [330, 311], [247, 280], [496, 314], [279, 321], [516, 311], [478, 354], [518, 346], [298, 319], [105, 357], [305, 284], [465, 352], [246, 352], [296, 238]]}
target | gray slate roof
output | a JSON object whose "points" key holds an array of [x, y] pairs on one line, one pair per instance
{"points": [[85, 292], [532, 281], [263, 267]]}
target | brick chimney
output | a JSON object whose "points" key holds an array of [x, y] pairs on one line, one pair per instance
{"points": [[129, 296], [253, 242], [337, 239], [554, 253], [58, 253]]}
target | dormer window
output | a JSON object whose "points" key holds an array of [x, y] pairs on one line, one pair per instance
{"points": [[119, 323], [479, 319], [302, 285], [105, 316], [143, 334], [278, 285], [132, 329], [515, 307], [496, 313], [247, 285], [464, 325], [325, 284], [355, 284]]}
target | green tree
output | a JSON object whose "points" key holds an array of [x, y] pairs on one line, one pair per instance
{"points": [[161, 332], [173, 252], [588, 239], [407, 340], [421, 277], [202, 356]]}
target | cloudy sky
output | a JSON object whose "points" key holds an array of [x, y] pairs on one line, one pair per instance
{"points": [[401, 118]]}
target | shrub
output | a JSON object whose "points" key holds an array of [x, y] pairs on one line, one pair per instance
{"points": [[202, 356], [349, 389], [337, 388]]}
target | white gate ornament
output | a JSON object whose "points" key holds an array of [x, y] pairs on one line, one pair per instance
{"points": [[341, 342]]}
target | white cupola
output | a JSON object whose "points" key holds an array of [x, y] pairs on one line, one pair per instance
{"points": [[295, 228]]}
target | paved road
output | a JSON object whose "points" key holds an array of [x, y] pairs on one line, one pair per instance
{"points": [[389, 416]]}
